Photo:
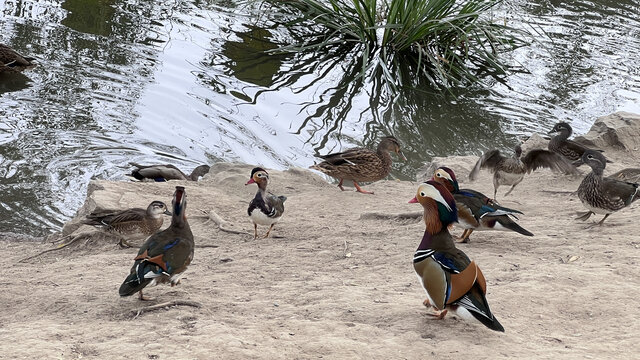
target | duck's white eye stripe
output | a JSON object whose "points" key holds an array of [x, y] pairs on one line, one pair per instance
{"points": [[430, 191]]}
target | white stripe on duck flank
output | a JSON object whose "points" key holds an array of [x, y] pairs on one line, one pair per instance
{"points": [[261, 218]]}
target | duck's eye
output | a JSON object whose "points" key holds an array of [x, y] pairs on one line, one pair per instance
{"points": [[589, 156], [439, 175], [423, 194]]}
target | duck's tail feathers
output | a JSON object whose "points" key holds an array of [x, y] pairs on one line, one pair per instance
{"points": [[136, 281], [506, 222], [476, 304]]}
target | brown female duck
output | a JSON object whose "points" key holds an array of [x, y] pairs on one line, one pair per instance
{"points": [[511, 171], [12, 61], [603, 195], [360, 164], [135, 221], [160, 173]]}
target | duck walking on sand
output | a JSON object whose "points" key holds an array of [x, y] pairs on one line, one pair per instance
{"points": [[160, 173], [130, 221], [165, 255], [562, 145], [451, 280], [12, 61], [475, 210], [511, 171], [265, 208], [360, 164], [603, 195]]}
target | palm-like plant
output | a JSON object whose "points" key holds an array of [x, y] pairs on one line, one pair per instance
{"points": [[447, 41]]}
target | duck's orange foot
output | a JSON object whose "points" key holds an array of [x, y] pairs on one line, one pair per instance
{"points": [[144, 298], [462, 240], [439, 315]]}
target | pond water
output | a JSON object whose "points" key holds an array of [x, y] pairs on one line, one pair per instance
{"points": [[187, 82]]}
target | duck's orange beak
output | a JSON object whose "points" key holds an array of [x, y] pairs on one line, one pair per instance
{"points": [[251, 181], [414, 200]]}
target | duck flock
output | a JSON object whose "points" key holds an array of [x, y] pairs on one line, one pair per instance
{"points": [[452, 281]]}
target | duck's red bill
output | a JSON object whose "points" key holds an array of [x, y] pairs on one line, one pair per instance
{"points": [[414, 200], [251, 181]]}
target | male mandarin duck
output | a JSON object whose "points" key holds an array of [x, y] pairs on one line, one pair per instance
{"points": [[451, 280], [165, 255], [360, 164], [130, 221], [265, 208], [562, 145], [511, 171], [603, 195], [475, 210], [12, 61], [166, 172]]}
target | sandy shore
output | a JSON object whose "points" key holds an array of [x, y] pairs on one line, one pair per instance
{"points": [[336, 281]]}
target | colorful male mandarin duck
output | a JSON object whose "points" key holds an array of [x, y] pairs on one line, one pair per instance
{"points": [[451, 280], [130, 221], [360, 164], [265, 208], [475, 210], [603, 195], [562, 145], [11, 61], [511, 171], [166, 172], [165, 255]]}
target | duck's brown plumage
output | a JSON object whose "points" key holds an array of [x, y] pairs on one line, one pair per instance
{"points": [[360, 164], [130, 221], [12, 61], [603, 195], [511, 170], [562, 145], [165, 255]]}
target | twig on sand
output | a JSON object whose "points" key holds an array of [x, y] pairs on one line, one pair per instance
{"points": [[61, 246], [146, 309], [222, 224]]}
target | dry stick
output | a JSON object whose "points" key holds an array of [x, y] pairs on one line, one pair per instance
{"points": [[163, 305], [61, 246], [221, 223]]}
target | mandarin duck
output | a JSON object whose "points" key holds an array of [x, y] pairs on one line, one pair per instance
{"points": [[562, 145], [11, 61], [628, 175], [166, 172], [475, 210], [360, 164], [511, 171], [265, 208], [130, 221], [165, 255], [603, 195], [452, 281]]}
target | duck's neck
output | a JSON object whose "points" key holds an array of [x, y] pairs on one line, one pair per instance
{"points": [[385, 157], [564, 134], [597, 171]]}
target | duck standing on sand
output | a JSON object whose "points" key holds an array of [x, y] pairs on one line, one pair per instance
{"points": [[511, 171], [562, 145], [165, 255], [265, 208], [11, 61], [160, 173], [475, 210], [603, 195], [360, 164], [451, 280], [130, 221]]}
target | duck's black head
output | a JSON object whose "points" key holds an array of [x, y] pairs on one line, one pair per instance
{"points": [[259, 176]]}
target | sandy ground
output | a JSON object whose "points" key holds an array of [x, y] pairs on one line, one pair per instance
{"points": [[335, 282]]}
